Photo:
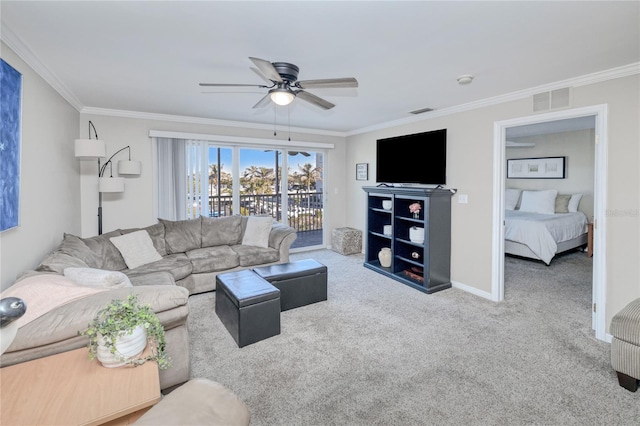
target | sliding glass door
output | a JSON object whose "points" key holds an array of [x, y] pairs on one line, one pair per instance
{"points": [[258, 181]]}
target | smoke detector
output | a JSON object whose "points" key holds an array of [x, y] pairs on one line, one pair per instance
{"points": [[465, 79]]}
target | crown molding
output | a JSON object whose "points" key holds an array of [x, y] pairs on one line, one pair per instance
{"points": [[26, 54], [207, 121], [597, 77]]}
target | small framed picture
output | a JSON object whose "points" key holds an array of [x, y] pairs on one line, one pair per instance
{"points": [[362, 171], [537, 168]]}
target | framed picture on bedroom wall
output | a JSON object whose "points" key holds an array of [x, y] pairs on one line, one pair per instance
{"points": [[537, 168]]}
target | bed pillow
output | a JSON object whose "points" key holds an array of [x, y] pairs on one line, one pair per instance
{"points": [[136, 248], [574, 203], [539, 201], [257, 231], [511, 197], [562, 203]]}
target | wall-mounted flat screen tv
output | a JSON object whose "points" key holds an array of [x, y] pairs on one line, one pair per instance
{"points": [[419, 158]]}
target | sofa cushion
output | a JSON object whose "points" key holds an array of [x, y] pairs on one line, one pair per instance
{"points": [[153, 278], [219, 231], [180, 236], [257, 231], [136, 248], [253, 255], [109, 255], [156, 232], [177, 265], [57, 262], [74, 246], [211, 259]]}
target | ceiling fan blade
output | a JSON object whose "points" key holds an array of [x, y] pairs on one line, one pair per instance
{"points": [[262, 76], [329, 82], [231, 85], [226, 92], [306, 96], [267, 69], [263, 102]]}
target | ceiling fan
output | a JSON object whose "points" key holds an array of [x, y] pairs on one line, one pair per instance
{"points": [[284, 86]]}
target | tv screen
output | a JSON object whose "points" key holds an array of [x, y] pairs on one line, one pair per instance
{"points": [[420, 158]]}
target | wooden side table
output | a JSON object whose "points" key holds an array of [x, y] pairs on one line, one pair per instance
{"points": [[69, 389], [590, 239]]}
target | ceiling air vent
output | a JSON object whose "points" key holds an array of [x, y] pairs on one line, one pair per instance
{"points": [[421, 111], [555, 99]]}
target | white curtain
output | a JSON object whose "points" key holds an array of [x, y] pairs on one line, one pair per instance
{"points": [[171, 179], [197, 178]]}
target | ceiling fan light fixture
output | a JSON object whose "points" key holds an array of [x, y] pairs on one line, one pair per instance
{"points": [[281, 96]]}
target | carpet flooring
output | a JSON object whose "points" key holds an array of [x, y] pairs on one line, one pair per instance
{"points": [[381, 353]]}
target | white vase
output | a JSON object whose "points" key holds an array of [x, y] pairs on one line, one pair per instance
{"points": [[384, 255], [416, 234], [127, 346]]}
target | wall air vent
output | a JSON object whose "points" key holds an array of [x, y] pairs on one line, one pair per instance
{"points": [[555, 99], [421, 111]]}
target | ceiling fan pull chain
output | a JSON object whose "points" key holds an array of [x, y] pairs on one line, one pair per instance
{"points": [[274, 121], [289, 119]]}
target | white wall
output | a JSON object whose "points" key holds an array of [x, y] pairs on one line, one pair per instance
{"points": [[49, 183], [469, 158]]}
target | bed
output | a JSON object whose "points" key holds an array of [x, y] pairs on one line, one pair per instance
{"points": [[541, 233]]}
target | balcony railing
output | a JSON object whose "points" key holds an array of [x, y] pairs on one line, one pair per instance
{"points": [[304, 211]]}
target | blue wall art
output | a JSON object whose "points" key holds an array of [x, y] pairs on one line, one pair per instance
{"points": [[10, 111]]}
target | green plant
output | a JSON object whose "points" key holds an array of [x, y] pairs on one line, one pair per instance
{"points": [[123, 316]]}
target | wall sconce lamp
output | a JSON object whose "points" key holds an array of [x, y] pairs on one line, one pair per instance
{"points": [[91, 149]]}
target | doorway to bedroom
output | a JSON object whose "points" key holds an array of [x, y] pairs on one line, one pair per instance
{"points": [[579, 136]]}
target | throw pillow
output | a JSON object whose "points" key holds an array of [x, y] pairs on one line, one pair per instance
{"points": [[562, 203], [109, 255], [156, 232], [574, 203], [511, 197], [97, 277], [257, 231], [539, 201], [136, 248], [74, 246]]}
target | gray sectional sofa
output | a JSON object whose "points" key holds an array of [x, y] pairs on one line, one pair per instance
{"points": [[193, 251], [185, 258]]}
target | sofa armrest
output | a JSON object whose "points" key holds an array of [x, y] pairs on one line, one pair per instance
{"points": [[280, 238], [57, 330]]}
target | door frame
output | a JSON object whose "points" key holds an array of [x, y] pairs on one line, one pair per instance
{"points": [[599, 279]]}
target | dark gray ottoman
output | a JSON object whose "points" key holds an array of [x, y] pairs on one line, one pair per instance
{"points": [[300, 283], [248, 306]]}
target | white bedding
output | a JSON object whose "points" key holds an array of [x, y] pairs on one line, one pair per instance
{"points": [[541, 232]]}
